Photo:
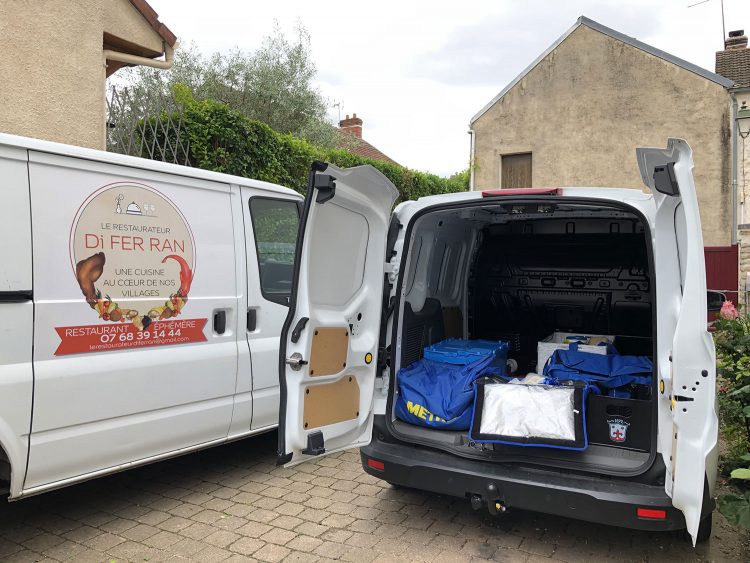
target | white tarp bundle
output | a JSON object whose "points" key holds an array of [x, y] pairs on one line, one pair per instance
{"points": [[529, 411]]}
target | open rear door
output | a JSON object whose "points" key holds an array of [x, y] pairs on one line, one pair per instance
{"points": [[329, 342], [688, 423]]}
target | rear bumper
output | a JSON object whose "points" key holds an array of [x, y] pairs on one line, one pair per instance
{"points": [[590, 498]]}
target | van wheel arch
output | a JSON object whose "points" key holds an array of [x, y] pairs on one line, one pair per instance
{"points": [[5, 471], [705, 528]]}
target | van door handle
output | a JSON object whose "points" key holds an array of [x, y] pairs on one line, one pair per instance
{"points": [[16, 296], [252, 320], [220, 322], [297, 332], [681, 398]]}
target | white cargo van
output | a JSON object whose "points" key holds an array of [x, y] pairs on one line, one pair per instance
{"points": [[513, 265], [140, 309]]}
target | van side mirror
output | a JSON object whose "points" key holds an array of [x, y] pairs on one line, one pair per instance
{"points": [[715, 300]]}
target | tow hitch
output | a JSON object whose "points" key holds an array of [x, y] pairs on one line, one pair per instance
{"points": [[494, 505], [497, 507]]}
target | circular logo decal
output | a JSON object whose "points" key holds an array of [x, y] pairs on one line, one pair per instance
{"points": [[133, 255]]}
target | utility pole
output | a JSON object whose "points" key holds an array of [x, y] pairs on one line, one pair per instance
{"points": [[723, 23]]}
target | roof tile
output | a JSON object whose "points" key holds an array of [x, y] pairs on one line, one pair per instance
{"points": [[734, 64], [153, 19], [360, 147]]}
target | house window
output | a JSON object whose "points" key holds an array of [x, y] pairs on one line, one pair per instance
{"points": [[515, 170]]}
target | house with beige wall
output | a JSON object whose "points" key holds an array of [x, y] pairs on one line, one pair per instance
{"points": [[734, 63], [575, 116], [58, 55]]}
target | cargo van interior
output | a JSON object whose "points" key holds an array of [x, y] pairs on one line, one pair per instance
{"points": [[520, 271]]}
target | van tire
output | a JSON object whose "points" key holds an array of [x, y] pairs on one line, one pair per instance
{"points": [[5, 471], [705, 529]]}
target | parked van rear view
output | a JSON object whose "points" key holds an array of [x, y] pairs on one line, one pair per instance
{"points": [[617, 273]]}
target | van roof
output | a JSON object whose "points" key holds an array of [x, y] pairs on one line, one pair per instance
{"points": [[135, 162]]}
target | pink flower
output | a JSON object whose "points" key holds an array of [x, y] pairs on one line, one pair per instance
{"points": [[728, 311]]}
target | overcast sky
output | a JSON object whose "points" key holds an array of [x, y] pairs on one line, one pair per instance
{"points": [[416, 72]]}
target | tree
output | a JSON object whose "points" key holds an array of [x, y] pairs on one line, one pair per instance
{"points": [[272, 85]]}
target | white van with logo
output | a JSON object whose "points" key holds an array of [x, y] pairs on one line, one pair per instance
{"points": [[519, 266], [140, 308]]}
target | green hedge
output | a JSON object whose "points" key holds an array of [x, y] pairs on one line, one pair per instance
{"points": [[224, 140]]}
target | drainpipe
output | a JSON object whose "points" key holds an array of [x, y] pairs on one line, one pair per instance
{"points": [[734, 145], [143, 61], [471, 159]]}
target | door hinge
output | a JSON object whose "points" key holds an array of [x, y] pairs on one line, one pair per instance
{"points": [[326, 186], [315, 444], [665, 180], [384, 356]]}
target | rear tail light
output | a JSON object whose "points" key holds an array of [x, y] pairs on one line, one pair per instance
{"points": [[652, 514], [375, 464], [520, 191]]}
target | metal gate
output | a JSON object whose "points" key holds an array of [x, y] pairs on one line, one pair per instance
{"points": [[146, 124]]}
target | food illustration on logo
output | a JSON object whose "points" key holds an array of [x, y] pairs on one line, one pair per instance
{"points": [[90, 269], [134, 263]]}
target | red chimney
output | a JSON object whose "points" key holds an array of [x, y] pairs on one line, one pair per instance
{"points": [[351, 125]]}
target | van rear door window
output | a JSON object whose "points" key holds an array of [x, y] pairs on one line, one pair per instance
{"points": [[275, 223]]}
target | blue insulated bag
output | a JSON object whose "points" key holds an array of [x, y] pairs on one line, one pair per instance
{"points": [[608, 374], [460, 351], [438, 394]]}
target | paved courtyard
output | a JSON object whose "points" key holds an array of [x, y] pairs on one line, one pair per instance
{"points": [[233, 504]]}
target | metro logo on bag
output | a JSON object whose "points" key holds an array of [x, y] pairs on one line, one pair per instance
{"points": [[423, 413], [440, 394]]}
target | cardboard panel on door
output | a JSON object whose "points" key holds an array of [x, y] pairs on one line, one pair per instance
{"points": [[331, 402], [329, 350]]}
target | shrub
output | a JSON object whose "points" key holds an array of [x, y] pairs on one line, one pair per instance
{"points": [[224, 140], [732, 338]]}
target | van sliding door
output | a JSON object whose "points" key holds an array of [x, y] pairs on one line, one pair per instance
{"points": [[16, 315], [135, 295]]}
